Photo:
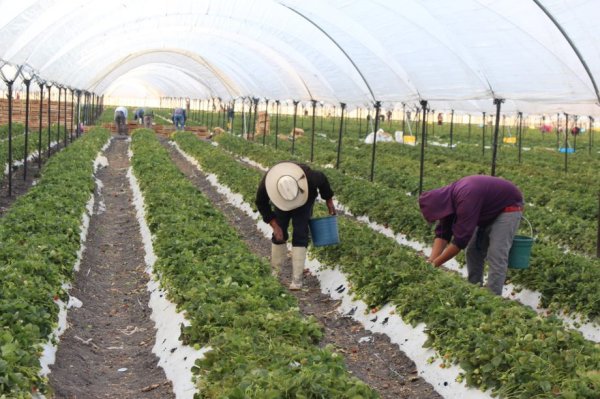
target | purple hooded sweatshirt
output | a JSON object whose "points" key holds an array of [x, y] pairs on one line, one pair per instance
{"points": [[467, 203]]}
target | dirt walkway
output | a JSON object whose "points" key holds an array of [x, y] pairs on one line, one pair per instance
{"points": [[377, 362], [107, 350]]}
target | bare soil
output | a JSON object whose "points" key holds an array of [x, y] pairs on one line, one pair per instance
{"points": [[107, 350], [377, 362]]}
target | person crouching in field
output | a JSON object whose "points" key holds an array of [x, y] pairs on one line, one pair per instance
{"points": [[292, 188], [481, 214]]}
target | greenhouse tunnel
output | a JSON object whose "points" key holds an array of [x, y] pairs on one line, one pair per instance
{"points": [[134, 136]]}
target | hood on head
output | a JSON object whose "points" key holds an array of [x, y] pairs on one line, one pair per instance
{"points": [[436, 204]]}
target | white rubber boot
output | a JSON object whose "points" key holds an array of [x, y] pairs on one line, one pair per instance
{"points": [[298, 259], [278, 255]]}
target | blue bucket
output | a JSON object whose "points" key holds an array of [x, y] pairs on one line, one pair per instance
{"points": [[567, 150], [324, 231]]}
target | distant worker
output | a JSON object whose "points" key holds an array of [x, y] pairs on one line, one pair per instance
{"points": [[148, 117], [479, 213], [138, 115], [440, 118], [121, 120], [179, 118]]}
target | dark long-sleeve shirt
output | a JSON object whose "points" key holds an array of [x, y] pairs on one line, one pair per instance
{"points": [[317, 185], [466, 204]]}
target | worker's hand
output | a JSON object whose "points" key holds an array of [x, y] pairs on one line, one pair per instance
{"points": [[330, 206], [277, 232]]}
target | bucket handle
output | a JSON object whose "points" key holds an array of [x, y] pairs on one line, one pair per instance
{"points": [[530, 228]]}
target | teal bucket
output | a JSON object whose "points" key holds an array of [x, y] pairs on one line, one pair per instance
{"points": [[520, 251], [324, 231]]}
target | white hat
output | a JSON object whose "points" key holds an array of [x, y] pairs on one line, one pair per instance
{"points": [[287, 186]]}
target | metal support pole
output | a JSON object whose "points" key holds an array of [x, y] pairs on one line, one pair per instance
{"points": [[244, 135], [72, 114], [212, 112], [333, 122], [483, 136], [27, 83], [403, 118], [520, 134], [77, 132], [498, 102], [377, 110], [255, 113], [590, 134], [598, 238], [469, 134], [41, 84], [423, 132], [339, 149], [451, 127], [312, 139], [557, 131], [277, 121], [49, 118], [65, 105], [58, 117], [265, 121], [566, 139], [9, 85], [294, 128], [322, 112], [359, 122]]}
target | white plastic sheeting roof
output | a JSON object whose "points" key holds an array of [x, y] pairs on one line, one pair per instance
{"points": [[457, 54]]}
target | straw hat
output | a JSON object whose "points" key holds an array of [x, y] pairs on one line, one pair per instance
{"points": [[287, 186]]}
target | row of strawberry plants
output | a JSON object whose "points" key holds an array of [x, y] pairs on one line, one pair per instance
{"points": [[398, 166], [528, 356], [40, 239], [565, 205], [566, 281], [260, 344]]}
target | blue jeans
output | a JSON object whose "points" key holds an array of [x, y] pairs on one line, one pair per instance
{"points": [[179, 122]]}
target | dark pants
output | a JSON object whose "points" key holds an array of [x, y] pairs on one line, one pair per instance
{"points": [[120, 121], [299, 217]]}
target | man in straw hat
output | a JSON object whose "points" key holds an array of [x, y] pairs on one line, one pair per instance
{"points": [[481, 214], [292, 188]]}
